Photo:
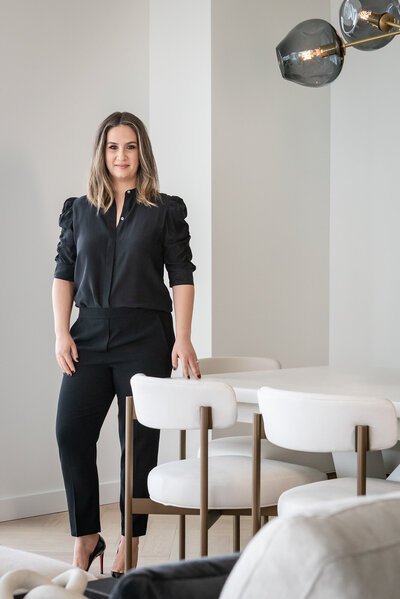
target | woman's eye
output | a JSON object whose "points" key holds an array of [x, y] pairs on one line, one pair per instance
{"points": [[112, 147], [131, 147]]}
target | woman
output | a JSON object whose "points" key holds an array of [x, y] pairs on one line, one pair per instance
{"points": [[113, 247]]}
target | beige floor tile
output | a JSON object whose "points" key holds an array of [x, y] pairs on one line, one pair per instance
{"points": [[49, 535]]}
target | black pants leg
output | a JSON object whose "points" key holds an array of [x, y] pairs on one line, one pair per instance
{"points": [[85, 399], [146, 440]]}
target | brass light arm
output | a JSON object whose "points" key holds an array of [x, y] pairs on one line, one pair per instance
{"points": [[376, 37], [384, 21], [330, 49]]}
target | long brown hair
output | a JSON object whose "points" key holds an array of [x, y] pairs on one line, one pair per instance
{"points": [[100, 190]]}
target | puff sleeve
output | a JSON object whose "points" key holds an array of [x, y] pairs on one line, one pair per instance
{"points": [[66, 248], [177, 252]]}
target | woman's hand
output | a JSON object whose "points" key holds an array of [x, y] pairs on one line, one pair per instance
{"points": [[183, 349], [66, 353]]}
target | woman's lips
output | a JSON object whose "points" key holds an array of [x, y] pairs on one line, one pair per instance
{"points": [[122, 165]]}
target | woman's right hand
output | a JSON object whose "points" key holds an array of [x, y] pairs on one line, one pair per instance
{"points": [[66, 353]]}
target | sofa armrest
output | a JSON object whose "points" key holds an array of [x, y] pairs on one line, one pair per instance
{"points": [[196, 579]]}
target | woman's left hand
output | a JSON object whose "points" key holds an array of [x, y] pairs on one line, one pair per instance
{"points": [[183, 349]]}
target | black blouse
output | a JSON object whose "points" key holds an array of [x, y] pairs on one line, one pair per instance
{"points": [[123, 266]]}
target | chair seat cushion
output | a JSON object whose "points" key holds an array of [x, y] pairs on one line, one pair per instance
{"points": [[243, 445], [295, 501], [229, 482]]}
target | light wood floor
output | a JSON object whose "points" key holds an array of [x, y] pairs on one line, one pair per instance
{"points": [[49, 535]]}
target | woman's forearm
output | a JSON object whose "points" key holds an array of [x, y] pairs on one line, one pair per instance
{"points": [[183, 348], [62, 295], [183, 296], [66, 351]]}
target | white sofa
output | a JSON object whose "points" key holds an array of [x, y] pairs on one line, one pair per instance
{"points": [[349, 549], [14, 559], [23, 570]]}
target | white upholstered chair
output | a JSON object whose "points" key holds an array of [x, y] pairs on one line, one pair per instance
{"points": [[205, 486], [243, 444], [316, 422]]}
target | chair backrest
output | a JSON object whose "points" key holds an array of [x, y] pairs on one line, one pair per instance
{"points": [[175, 403], [236, 364], [317, 422]]}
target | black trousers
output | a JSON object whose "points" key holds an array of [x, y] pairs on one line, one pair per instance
{"points": [[113, 344]]}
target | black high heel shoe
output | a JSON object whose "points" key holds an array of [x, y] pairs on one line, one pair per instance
{"points": [[98, 551], [115, 574]]}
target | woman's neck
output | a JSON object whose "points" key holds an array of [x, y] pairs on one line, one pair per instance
{"points": [[121, 187]]}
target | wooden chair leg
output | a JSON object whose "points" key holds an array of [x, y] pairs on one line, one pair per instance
{"points": [[182, 534], [203, 535], [236, 533], [255, 512], [205, 423], [128, 481], [362, 446]]}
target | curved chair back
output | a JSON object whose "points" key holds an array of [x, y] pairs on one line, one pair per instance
{"points": [[175, 403], [317, 422]]}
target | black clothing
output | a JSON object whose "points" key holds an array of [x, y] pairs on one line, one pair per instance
{"points": [[124, 327], [128, 341], [124, 266]]}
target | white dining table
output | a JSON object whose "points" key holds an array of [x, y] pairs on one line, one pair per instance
{"points": [[371, 382]]}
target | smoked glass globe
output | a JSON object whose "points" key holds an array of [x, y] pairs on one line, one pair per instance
{"points": [[311, 54], [358, 20]]}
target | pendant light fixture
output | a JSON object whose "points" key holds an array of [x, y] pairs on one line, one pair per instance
{"points": [[312, 53]]}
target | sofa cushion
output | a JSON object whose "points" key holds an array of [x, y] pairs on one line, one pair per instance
{"points": [[192, 579], [349, 549]]}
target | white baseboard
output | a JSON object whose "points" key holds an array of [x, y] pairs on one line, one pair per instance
{"points": [[49, 502]]}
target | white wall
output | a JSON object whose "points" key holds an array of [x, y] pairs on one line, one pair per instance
{"points": [[180, 129], [64, 67], [365, 209], [270, 161], [261, 249]]}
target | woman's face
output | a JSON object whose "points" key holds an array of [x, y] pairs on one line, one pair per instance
{"points": [[122, 155]]}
